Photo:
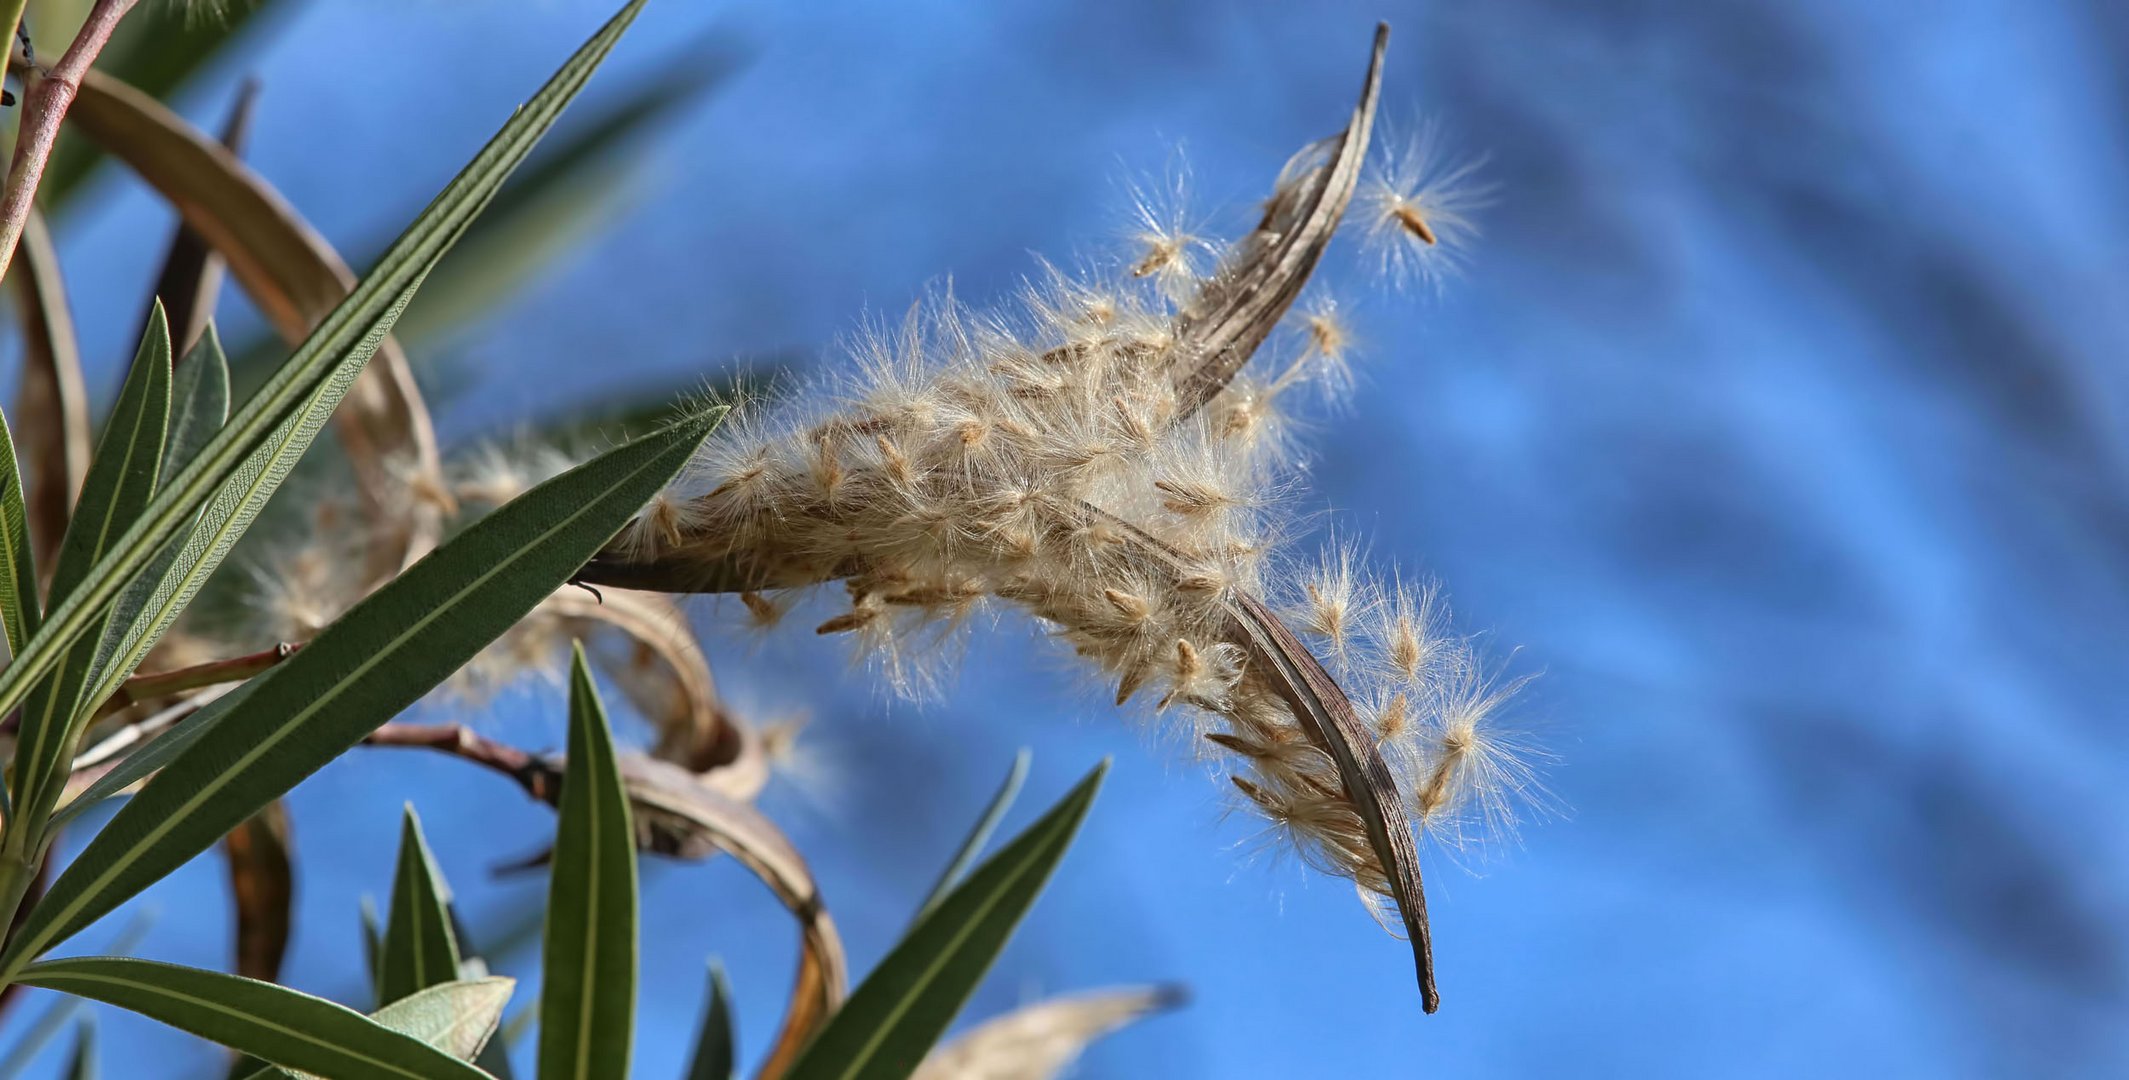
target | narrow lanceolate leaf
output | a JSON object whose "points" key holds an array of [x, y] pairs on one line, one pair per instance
{"points": [[83, 1066], [199, 399], [19, 609], [972, 846], [144, 762], [680, 814], [199, 405], [458, 1018], [372, 939], [121, 481], [378, 658], [715, 1052], [152, 604], [271, 1023], [893, 1018], [327, 361], [588, 985], [419, 948]]}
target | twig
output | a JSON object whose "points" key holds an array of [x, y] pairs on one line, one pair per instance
{"points": [[44, 106], [163, 684], [540, 779]]}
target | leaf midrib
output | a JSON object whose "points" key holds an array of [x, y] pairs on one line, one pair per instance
{"points": [[112, 980], [118, 863], [930, 972]]}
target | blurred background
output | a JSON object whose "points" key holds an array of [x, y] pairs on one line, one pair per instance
{"points": [[1780, 424]]}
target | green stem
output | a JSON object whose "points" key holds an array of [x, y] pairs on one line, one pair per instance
{"points": [[16, 874]]}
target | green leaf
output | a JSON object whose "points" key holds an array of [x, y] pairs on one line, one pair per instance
{"points": [[458, 1018], [375, 660], [272, 1023], [897, 1013], [199, 405], [61, 1009], [122, 479], [372, 940], [83, 1064], [972, 846], [19, 610], [329, 361], [143, 763], [419, 950], [588, 981], [714, 1049], [199, 400], [41, 1032]]}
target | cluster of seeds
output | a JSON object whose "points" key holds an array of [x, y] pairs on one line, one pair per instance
{"points": [[1073, 459]]}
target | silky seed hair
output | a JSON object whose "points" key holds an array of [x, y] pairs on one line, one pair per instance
{"points": [[1418, 204], [1043, 458]]}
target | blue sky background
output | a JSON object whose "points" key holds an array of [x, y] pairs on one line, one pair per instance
{"points": [[1781, 423]]}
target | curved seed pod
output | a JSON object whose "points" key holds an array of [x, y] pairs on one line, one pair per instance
{"points": [[681, 816], [295, 277], [663, 671], [1215, 335], [1220, 330], [1051, 462]]}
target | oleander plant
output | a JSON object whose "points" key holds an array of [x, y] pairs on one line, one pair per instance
{"points": [[1106, 460]]}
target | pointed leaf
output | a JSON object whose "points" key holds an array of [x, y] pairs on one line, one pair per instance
{"points": [[122, 479], [199, 399], [588, 988], [372, 940], [972, 846], [199, 405], [272, 1023], [893, 1018], [458, 1018], [83, 1065], [419, 949], [378, 658], [19, 609], [328, 360], [714, 1049]]}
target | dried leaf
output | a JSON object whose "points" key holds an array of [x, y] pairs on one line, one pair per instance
{"points": [[663, 671], [295, 277], [677, 814], [263, 883], [191, 279], [53, 422], [1041, 1041]]}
